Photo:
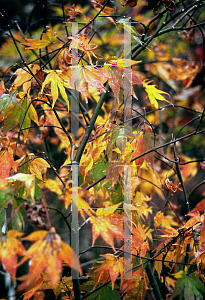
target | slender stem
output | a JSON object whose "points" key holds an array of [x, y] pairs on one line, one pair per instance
{"points": [[76, 289], [153, 282], [168, 143], [90, 128]]}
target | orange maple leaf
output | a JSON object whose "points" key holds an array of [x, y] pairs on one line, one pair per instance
{"points": [[108, 225], [200, 206], [48, 252], [113, 266], [10, 246], [140, 244], [144, 141], [6, 162], [32, 291], [188, 170], [82, 43], [47, 38], [194, 221]]}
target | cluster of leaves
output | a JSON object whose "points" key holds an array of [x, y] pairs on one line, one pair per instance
{"points": [[85, 132]]}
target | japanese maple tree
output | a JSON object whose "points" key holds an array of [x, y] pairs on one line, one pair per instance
{"points": [[102, 151]]}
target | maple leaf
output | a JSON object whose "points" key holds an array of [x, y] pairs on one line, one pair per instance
{"points": [[119, 76], [194, 221], [154, 93], [140, 203], [188, 170], [29, 180], [158, 219], [135, 288], [140, 244], [82, 43], [2, 88], [57, 81], [32, 291], [38, 165], [35, 165], [106, 9], [87, 160], [143, 142], [6, 100], [25, 78], [46, 39], [114, 171], [42, 283], [6, 162], [86, 77], [47, 253], [72, 11], [80, 201], [112, 266], [131, 3], [200, 206], [111, 223], [10, 246], [189, 285], [14, 115], [54, 185]]}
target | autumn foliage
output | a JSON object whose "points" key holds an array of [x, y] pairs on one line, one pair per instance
{"points": [[102, 151]]}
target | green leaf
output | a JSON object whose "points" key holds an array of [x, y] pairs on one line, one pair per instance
{"points": [[188, 291], [116, 193], [5, 196], [105, 293], [6, 100], [196, 282], [131, 30], [190, 286], [197, 286], [18, 221], [179, 286], [15, 116], [196, 292], [98, 170]]}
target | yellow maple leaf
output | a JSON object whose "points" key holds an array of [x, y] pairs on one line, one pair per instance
{"points": [[81, 198], [154, 93], [38, 165], [46, 39], [24, 77], [158, 219], [87, 161], [113, 266], [57, 81]]}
